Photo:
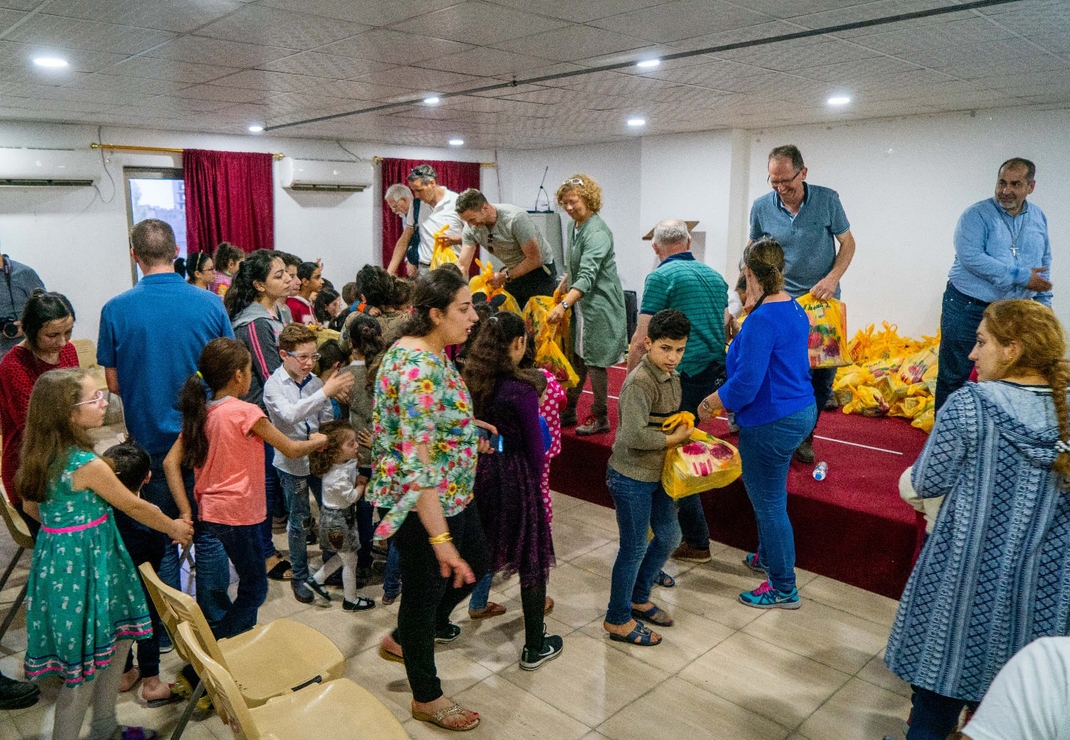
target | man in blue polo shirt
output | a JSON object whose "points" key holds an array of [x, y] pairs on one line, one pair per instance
{"points": [[683, 283], [1001, 251], [808, 221], [151, 338]]}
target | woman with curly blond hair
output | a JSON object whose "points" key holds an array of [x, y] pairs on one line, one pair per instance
{"points": [[995, 572], [599, 328]]}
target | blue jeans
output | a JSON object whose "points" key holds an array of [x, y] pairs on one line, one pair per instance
{"points": [[821, 379], [935, 716], [959, 318], [693, 388], [392, 572], [275, 503], [641, 507], [766, 452], [211, 573], [480, 594], [242, 546], [295, 488]]}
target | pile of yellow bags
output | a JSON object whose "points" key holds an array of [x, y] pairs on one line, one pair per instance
{"points": [[891, 375]]}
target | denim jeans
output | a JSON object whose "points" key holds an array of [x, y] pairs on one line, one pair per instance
{"points": [[211, 574], [959, 318], [296, 488], [641, 507], [242, 546], [392, 572], [821, 379], [766, 452], [693, 388], [481, 593], [276, 505], [365, 530], [935, 716]]}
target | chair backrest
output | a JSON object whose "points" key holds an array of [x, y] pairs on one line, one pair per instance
{"points": [[16, 525], [180, 607], [222, 689]]}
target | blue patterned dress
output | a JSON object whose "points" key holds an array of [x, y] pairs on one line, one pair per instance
{"points": [[83, 593], [995, 573]]}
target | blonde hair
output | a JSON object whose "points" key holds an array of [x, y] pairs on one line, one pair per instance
{"points": [[1036, 329], [585, 187]]}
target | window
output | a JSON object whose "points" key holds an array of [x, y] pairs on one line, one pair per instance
{"points": [[156, 193]]}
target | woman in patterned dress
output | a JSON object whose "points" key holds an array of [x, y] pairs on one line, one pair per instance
{"points": [[995, 572], [425, 446]]}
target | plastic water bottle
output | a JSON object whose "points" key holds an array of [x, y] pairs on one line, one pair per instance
{"points": [[821, 470]]}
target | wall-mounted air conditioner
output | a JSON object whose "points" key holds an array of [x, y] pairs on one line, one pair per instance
{"points": [[25, 167], [326, 175]]}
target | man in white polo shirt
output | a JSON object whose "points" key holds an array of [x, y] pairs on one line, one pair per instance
{"points": [[438, 210]]}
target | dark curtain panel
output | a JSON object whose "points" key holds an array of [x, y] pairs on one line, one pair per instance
{"points": [[456, 176], [229, 197]]}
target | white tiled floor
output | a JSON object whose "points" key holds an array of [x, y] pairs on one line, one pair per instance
{"points": [[724, 671]]}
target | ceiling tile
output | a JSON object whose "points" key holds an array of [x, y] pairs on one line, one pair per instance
{"points": [[214, 51], [8, 18], [797, 54], [106, 82], [379, 13], [19, 4], [572, 44], [581, 12], [858, 12], [180, 16], [168, 69], [384, 45], [478, 21], [19, 57], [258, 25], [332, 66], [682, 20], [491, 62], [228, 94], [69, 33], [429, 80], [907, 41]]}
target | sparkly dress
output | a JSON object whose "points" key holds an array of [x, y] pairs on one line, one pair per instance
{"points": [[83, 593]]}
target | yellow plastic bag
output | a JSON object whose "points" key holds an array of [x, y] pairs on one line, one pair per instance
{"points": [[535, 313], [481, 284], [867, 401], [443, 253], [699, 464], [549, 357], [920, 367], [828, 331]]}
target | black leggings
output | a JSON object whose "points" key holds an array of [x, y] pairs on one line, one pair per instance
{"points": [[428, 599]]}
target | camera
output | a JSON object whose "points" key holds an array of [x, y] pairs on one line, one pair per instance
{"points": [[9, 327]]}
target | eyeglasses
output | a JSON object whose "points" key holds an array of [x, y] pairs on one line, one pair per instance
{"points": [[574, 181], [778, 183], [97, 398], [304, 358]]}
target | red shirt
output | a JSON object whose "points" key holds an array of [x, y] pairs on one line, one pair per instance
{"points": [[19, 370], [301, 310], [229, 488]]}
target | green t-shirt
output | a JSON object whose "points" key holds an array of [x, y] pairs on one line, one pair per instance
{"points": [[512, 229]]}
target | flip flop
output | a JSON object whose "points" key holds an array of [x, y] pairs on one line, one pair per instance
{"points": [[133, 685], [439, 717], [654, 615], [665, 580], [163, 701], [640, 635], [281, 571]]}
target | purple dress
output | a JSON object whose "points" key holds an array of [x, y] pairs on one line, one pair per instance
{"points": [[507, 488]]}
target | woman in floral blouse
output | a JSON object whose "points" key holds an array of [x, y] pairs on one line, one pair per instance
{"points": [[426, 446]]}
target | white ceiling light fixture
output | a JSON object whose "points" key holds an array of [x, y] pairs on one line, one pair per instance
{"points": [[636, 122], [51, 62], [432, 100], [255, 129], [456, 142], [648, 63], [839, 100]]}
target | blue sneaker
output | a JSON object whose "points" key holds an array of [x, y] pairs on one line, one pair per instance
{"points": [[767, 597], [752, 562]]}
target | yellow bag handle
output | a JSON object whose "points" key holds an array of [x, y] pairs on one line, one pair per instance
{"points": [[684, 417]]}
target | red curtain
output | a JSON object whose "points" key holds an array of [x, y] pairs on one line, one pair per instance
{"points": [[229, 197], [456, 176]]}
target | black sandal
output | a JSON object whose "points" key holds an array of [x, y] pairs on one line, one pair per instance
{"points": [[664, 580]]}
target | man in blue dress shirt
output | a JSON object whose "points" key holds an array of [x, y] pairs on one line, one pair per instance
{"points": [[808, 221], [1001, 251]]}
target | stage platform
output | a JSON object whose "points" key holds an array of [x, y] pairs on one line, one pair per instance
{"points": [[852, 526]]}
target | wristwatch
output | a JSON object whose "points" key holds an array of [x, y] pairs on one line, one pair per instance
{"points": [[565, 304], [505, 271]]}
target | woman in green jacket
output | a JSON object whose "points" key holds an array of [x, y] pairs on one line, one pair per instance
{"points": [[595, 293]]}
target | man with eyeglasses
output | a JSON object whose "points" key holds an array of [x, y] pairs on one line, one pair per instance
{"points": [[509, 233], [1002, 251], [439, 209], [808, 221], [400, 201]]}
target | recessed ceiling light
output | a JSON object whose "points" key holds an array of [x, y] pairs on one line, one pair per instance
{"points": [[838, 100], [456, 142], [433, 100], [648, 63], [255, 129], [636, 121], [51, 62]]}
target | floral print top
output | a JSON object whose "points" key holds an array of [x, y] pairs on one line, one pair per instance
{"points": [[420, 399]]}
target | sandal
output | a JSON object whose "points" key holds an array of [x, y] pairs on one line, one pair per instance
{"points": [[135, 682], [654, 615], [125, 732], [281, 570], [664, 580], [387, 653], [640, 635], [548, 607], [162, 701], [490, 610], [439, 717]]}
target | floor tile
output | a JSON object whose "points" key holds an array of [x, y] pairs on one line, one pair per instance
{"points": [[563, 502], [8, 731], [876, 673], [589, 681], [352, 632], [677, 709], [598, 561], [575, 538], [851, 599], [579, 596], [821, 633], [496, 643], [765, 679], [594, 515], [858, 711], [712, 589]]}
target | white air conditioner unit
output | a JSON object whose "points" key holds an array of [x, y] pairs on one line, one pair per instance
{"points": [[24, 167], [326, 175]]}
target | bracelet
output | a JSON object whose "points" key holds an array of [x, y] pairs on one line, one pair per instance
{"points": [[706, 405], [565, 304], [506, 271], [440, 539]]}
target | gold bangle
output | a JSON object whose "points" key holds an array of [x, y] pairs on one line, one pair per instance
{"points": [[440, 539]]}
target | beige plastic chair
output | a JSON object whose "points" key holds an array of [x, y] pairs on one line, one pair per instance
{"points": [[20, 533], [338, 709]]}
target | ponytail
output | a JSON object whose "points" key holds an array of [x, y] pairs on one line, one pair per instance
{"points": [[219, 362]]}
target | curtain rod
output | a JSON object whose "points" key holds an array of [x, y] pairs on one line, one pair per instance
{"points": [[153, 149], [377, 160]]}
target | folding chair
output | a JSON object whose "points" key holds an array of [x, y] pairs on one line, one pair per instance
{"points": [[20, 533]]}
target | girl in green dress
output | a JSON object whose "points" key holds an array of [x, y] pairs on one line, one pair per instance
{"points": [[84, 602]]}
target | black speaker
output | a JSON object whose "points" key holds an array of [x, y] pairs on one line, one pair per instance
{"points": [[631, 312]]}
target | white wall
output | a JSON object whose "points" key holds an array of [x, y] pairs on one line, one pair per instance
{"points": [[77, 240]]}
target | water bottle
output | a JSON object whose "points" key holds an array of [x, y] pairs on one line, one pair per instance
{"points": [[821, 470]]}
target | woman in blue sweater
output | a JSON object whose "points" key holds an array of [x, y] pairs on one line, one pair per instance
{"points": [[769, 390]]}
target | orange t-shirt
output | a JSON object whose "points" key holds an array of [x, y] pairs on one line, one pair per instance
{"points": [[229, 487]]}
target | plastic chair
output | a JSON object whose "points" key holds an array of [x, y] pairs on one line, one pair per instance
{"points": [[270, 659], [338, 709], [20, 533]]}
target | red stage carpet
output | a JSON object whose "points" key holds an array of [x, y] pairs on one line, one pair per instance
{"points": [[852, 526]]}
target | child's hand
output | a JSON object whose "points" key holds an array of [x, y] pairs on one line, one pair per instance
{"points": [[679, 435], [338, 385], [320, 440], [364, 438], [181, 531]]}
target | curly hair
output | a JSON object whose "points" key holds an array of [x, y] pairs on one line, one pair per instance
{"points": [[322, 460], [585, 187], [488, 359]]}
